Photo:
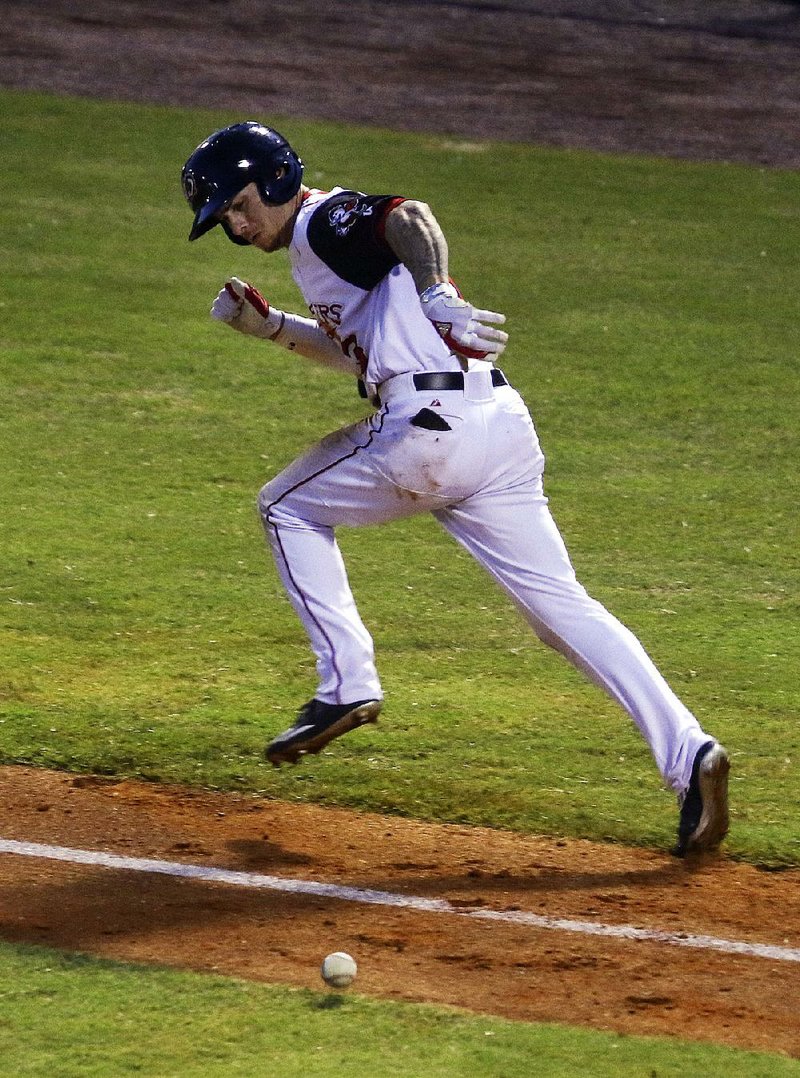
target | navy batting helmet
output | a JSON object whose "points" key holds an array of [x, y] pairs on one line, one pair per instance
{"points": [[228, 161]]}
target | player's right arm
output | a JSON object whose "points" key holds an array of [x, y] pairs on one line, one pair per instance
{"points": [[243, 308]]}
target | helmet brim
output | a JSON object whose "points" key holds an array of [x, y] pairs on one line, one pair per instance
{"points": [[207, 216]]}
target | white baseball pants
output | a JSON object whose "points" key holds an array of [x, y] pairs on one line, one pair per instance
{"points": [[482, 480]]}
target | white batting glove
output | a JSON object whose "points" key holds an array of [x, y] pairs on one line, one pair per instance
{"points": [[460, 325], [244, 309]]}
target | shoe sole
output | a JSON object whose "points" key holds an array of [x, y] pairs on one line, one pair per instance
{"points": [[290, 754], [714, 821]]}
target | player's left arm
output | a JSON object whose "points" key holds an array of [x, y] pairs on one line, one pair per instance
{"points": [[413, 233], [415, 236]]}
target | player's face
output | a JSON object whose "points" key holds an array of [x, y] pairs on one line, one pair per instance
{"points": [[264, 226]]}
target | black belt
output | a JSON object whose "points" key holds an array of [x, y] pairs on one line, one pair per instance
{"points": [[436, 381]]}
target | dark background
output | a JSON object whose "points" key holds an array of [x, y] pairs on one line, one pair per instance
{"points": [[702, 80]]}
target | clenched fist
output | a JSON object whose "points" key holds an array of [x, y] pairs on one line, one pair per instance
{"points": [[244, 309]]}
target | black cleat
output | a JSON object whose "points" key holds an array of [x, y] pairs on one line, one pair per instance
{"points": [[316, 725], [703, 821]]}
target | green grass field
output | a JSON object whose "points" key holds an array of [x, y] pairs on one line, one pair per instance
{"points": [[652, 313], [74, 1016]]}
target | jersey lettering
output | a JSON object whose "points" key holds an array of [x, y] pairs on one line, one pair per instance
{"points": [[352, 348], [328, 314]]}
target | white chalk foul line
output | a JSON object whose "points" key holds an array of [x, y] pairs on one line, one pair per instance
{"points": [[205, 874]]}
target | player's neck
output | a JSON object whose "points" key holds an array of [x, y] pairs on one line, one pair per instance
{"points": [[288, 229]]}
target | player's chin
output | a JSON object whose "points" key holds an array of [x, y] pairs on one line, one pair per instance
{"points": [[268, 244]]}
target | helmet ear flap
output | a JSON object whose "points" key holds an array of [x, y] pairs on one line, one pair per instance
{"points": [[285, 182]]}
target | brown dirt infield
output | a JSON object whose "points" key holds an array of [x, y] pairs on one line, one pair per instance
{"points": [[690, 79], [490, 967]]}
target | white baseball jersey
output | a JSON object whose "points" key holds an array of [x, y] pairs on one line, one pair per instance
{"points": [[460, 445], [357, 289]]}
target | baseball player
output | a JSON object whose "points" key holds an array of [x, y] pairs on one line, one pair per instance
{"points": [[449, 436]]}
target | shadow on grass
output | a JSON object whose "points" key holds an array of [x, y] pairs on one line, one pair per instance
{"points": [[329, 1003]]}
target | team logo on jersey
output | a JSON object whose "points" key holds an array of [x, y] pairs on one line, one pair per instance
{"points": [[345, 215]]}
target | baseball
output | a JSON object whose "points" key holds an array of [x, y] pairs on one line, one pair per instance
{"points": [[339, 970]]}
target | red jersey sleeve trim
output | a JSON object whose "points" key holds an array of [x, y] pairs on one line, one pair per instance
{"points": [[380, 224]]}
